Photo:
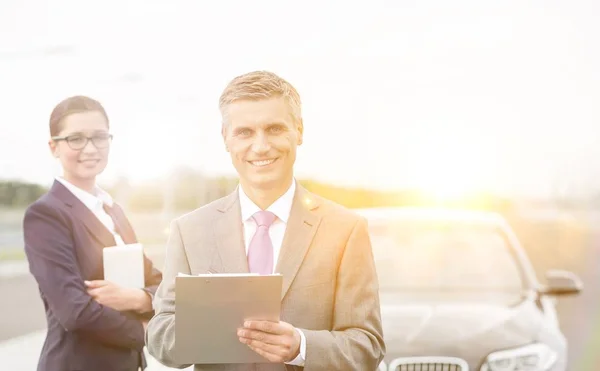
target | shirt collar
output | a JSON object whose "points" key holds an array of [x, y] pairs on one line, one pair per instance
{"points": [[281, 207], [91, 201]]}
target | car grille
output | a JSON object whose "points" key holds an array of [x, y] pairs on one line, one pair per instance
{"points": [[429, 367], [428, 364]]}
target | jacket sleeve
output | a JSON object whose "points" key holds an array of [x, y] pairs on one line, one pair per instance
{"points": [[356, 340], [52, 261], [161, 328], [153, 279]]}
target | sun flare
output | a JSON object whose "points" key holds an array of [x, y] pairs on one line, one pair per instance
{"points": [[447, 171]]}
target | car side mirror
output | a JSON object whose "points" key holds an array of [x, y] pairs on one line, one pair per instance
{"points": [[560, 283]]}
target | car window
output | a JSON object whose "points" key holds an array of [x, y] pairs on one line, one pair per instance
{"points": [[444, 256]]}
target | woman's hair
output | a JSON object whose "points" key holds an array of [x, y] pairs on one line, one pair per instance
{"points": [[71, 105]]}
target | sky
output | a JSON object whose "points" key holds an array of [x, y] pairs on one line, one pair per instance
{"points": [[448, 96]]}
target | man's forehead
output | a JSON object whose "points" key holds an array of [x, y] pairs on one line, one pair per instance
{"points": [[259, 121], [258, 113]]}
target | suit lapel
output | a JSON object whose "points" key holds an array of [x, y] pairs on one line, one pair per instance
{"points": [[81, 212], [127, 232], [299, 233], [229, 236]]}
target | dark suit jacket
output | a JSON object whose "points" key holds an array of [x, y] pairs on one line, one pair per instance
{"points": [[63, 243]]}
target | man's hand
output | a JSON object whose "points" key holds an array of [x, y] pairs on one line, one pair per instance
{"points": [[118, 298], [278, 342]]}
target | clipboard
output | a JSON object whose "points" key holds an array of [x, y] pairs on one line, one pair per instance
{"points": [[210, 308]]}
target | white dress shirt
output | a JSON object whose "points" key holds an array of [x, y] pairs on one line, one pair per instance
{"points": [[95, 202], [281, 208]]}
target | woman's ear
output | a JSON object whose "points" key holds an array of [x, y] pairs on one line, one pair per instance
{"points": [[53, 148]]}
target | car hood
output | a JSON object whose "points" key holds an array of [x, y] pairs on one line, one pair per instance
{"points": [[469, 328]]}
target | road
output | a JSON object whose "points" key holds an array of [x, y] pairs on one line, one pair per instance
{"points": [[25, 313]]}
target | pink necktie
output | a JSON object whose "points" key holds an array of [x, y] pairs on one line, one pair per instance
{"points": [[260, 251]]}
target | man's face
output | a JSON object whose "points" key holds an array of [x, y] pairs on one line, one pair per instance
{"points": [[261, 137]]}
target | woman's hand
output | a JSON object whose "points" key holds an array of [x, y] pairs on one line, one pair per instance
{"points": [[119, 298]]}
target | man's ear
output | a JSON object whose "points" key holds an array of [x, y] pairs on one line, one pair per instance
{"points": [[224, 135], [300, 132]]}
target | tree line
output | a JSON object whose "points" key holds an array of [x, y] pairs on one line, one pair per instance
{"points": [[17, 194], [188, 190]]}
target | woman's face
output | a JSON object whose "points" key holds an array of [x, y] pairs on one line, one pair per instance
{"points": [[82, 159]]}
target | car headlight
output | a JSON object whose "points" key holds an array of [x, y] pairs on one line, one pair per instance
{"points": [[533, 357]]}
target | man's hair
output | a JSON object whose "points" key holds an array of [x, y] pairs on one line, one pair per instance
{"points": [[71, 105], [259, 85]]}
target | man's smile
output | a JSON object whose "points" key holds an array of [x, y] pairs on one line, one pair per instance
{"points": [[262, 163]]}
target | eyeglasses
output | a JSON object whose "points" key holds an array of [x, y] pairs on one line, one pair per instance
{"points": [[79, 141]]}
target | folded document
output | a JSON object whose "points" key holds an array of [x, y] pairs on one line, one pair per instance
{"points": [[124, 265]]}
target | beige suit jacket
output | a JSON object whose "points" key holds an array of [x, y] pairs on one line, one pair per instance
{"points": [[330, 287]]}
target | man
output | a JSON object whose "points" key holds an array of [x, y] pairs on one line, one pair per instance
{"points": [[330, 315]]}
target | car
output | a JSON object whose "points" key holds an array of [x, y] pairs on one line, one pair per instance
{"points": [[458, 290]]}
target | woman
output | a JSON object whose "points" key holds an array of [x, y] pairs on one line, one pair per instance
{"points": [[92, 324]]}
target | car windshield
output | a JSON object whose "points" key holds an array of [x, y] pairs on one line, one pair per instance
{"points": [[418, 255]]}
